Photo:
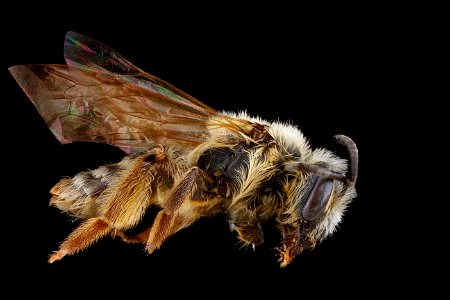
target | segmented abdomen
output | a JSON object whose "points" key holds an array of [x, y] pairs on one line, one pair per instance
{"points": [[79, 195]]}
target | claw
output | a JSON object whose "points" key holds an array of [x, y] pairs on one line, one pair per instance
{"points": [[283, 264], [150, 248], [284, 260], [57, 255]]}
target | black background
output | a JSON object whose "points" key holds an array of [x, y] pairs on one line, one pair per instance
{"points": [[329, 74]]}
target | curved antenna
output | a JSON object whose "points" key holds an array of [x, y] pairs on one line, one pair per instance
{"points": [[325, 173], [354, 157]]}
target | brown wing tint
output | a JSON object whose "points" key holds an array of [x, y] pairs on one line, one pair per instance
{"points": [[84, 52], [82, 105], [100, 96]]}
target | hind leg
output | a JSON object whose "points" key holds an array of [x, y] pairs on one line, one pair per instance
{"points": [[170, 220], [125, 198], [164, 226], [85, 235]]}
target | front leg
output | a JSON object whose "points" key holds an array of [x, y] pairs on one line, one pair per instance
{"points": [[296, 239], [250, 233], [290, 246], [247, 223]]}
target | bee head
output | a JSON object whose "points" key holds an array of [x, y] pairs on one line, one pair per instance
{"points": [[318, 199]]}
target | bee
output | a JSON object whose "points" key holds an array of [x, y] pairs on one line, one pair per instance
{"points": [[183, 157]]}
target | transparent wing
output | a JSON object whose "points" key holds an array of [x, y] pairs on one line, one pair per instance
{"points": [[84, 52], [100, 96], [82, 105]]}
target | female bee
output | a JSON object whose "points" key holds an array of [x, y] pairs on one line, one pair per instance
{"points": [[184, 157]]}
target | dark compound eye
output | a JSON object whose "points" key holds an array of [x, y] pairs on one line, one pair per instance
{"points": [[318, 199]]}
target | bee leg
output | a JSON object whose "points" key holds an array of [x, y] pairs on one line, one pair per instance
{"points": [[167, 222], [164, 226], [290, 245], [248, 227], [182, 190], [250, 234], [140, 238], [86, 234], [294, 242]]}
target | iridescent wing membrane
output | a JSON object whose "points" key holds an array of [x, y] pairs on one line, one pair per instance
{"points": [[99, 96]]}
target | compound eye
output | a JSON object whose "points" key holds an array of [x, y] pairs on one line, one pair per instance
{"points": [[318, 199]]}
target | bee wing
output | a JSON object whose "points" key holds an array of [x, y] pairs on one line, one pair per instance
{"points": [[82, 105], [101, 97], [84, 52]]}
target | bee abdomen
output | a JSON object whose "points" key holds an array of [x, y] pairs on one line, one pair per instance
{"points": [[78, 195]]}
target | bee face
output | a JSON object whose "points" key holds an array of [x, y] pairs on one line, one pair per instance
{"points": [[319, 198]]}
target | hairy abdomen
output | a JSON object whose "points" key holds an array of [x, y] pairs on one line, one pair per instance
{"points": [[79, 196], [120, 192]]}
